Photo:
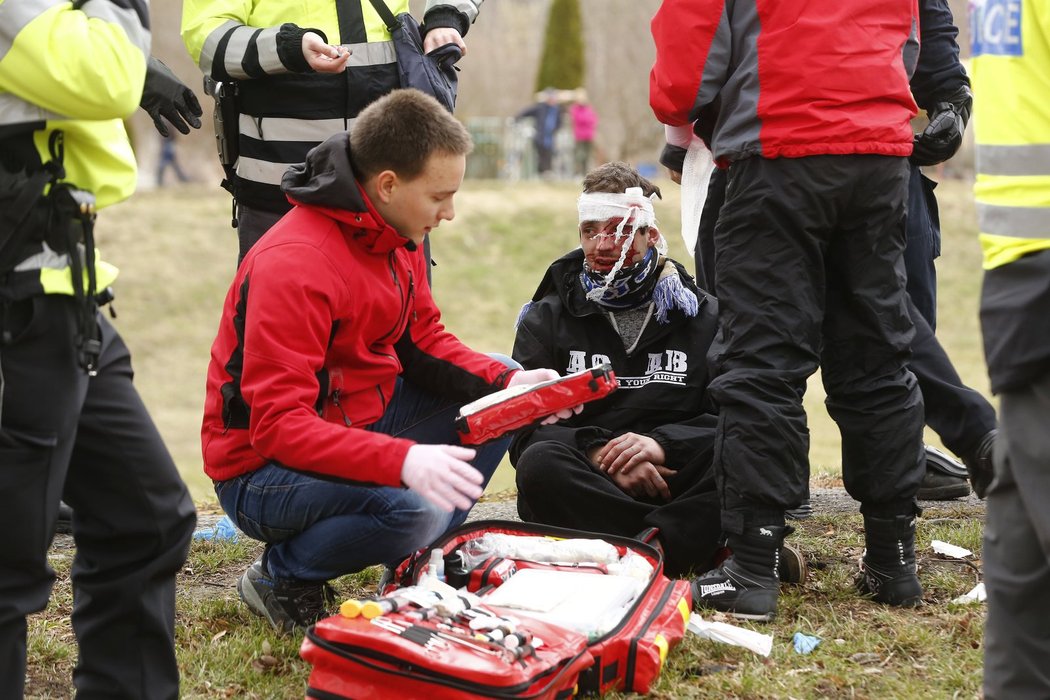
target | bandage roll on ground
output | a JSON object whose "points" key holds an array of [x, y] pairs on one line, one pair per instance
{"points": [[538, 549]]}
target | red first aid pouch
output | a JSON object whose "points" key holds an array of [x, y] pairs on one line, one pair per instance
{"points": [[497, 414], [356, 658], [627, 657]]}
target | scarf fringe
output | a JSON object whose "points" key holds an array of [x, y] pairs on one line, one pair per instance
{"points": [[671, 293], [521, 314]]}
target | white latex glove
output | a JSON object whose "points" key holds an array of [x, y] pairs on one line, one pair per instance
{"points": [[441, 474], [532, 376], [536, 376], [322, 57]]}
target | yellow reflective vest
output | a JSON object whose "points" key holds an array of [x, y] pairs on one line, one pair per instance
{"points": [[1011, 123], [80, 71], [284, 108]]}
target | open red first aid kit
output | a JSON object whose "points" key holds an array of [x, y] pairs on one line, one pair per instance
{"points": [[501, 609]]}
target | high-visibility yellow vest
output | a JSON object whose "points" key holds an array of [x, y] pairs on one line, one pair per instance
{"points": [[1011, 122], [80, 71]]}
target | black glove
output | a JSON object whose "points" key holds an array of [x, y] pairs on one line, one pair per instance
{"points": [[979, 465], [164, 95], [942, 137]]}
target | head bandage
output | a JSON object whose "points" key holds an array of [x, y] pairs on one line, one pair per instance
{"points": [[632, 208]]}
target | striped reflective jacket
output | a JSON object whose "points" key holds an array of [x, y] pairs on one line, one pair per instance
{"points": [[80, 71], [286, 109]]}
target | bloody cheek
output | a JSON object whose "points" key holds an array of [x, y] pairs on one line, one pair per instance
{"points": [[631, 256]]}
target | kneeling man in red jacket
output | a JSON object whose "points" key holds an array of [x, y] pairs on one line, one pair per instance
{"points": [[333, 386]]}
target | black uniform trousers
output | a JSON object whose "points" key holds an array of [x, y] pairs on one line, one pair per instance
{"points": [[958, 414], [91, 442], [1017, 549], [809, 268], [558, 486]]}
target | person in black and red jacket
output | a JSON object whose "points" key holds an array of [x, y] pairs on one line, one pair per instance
{"points": [[964, 420], [809, 108]]}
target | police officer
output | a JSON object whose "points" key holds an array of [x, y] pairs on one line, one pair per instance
{"points": [[72, 425], [303, 72], [1011, 76]]}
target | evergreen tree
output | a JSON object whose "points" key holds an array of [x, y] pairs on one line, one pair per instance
{"points": [[561, 65]]}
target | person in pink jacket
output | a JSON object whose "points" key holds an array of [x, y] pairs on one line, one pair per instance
{"points": [[584, 126], [333, 385]]}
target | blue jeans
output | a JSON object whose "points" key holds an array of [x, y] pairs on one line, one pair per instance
{"points": [[316, 529]]}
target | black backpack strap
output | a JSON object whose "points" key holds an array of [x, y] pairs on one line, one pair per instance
{"points": [[385, 14]]}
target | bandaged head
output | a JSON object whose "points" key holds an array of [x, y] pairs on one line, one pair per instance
{"points": [[609, 222]]}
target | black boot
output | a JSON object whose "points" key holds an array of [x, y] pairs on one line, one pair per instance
{"points": [[746, 584], [888, 572]]}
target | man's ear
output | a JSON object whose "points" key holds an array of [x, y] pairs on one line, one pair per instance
{"points": [[385, 184], [653, 235]]}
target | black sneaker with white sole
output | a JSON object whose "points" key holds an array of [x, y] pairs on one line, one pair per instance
{"points": [[285, 605]]}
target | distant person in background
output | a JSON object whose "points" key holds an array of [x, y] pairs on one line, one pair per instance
{"points": [[1011, 79], [169, 159], [584, 125], [546, 115]]}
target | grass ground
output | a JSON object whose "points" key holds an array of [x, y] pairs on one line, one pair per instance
{"points": [[177, 253]]}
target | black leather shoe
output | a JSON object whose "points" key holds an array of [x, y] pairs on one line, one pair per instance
{"points": [[938, 486]]}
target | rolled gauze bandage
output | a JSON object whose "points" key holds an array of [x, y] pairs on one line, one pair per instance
{"points": [[696, 176]]}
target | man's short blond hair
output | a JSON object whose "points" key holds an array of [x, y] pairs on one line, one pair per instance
{"points": [[400, 131]]}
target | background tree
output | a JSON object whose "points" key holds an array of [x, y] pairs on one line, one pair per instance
{"points": [[562, 63]]}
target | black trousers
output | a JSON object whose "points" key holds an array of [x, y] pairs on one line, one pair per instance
{"points": [[924, 245], [958, 414], [91, 442], [558, 486], [252, 223], [1017, 549], [809, 268]]}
